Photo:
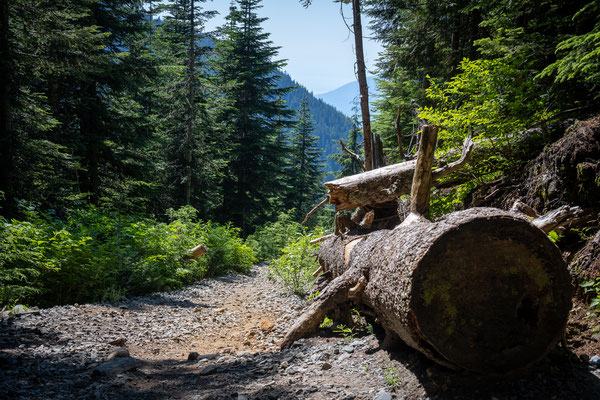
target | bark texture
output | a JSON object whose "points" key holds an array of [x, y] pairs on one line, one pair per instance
{"points": [[481, 289], [385, 184]]}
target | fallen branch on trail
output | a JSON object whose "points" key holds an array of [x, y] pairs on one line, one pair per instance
{"points": [[385, 184], [481, 289]]}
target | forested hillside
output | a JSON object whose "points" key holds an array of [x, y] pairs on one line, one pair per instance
{"points": [[330, 124]]}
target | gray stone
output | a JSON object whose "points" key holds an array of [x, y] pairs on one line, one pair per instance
{"points": [[118, 353], [116, 366], [209, 369], [343, 357], [325, 366], [348, 349], [595, 360], [383, 395]]}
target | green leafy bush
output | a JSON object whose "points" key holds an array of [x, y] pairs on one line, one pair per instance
{"points": [[268, 240], [488, 99], [294, 268], [93, 255]]}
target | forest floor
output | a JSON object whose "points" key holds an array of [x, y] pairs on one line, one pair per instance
{"points": [[219, 339]]}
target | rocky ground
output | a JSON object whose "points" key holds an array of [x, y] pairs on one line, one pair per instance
{"points": [[219, 340]]}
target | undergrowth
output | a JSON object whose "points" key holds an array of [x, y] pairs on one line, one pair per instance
{"points": [[94, 255]]}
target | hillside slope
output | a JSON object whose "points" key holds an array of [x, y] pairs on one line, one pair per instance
{"points": [[330, 124]]}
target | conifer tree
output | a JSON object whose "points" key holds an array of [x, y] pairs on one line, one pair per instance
{"points": [[256, 116], [193, 147], [306, 169]]}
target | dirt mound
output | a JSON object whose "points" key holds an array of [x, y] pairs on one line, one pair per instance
{"points": [[568, 172]]}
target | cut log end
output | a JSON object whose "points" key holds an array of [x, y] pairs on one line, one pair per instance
{"points": [[492, 296]]}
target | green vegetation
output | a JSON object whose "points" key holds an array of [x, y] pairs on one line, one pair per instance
{"points": [[294, 268], [392, 379], [93, 256], [592, 288]]}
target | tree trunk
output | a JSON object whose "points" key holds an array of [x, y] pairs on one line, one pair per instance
{"points": [[189, 128], [6, 133], [361, 71], [384, 184], [481, 289]]}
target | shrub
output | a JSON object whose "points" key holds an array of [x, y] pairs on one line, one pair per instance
{"points": [[93, 255], [294, 268], [268, 240]]}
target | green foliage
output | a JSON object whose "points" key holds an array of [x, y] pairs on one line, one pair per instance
{"points": [[346, 331], [268, 240], [392, 379], [93, 255], [593, 290], [578, 56], [327, 323], [294, 268], [488, 99]]}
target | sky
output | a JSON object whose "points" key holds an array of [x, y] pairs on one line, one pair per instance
{"points": [[316, 43]]}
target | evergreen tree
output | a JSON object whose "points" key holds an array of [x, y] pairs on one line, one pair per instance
{"points": [[42, 44], [256, 117], [306, 170], [193, 144]]}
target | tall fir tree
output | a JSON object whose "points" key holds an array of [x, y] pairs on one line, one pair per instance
{"points": [[193, 155], [256, 117], [43, 45], [306, 169]]}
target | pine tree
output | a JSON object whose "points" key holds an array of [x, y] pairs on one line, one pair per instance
{"points": [[193, 147], [42, 44], [256, 116], [306, 169]]}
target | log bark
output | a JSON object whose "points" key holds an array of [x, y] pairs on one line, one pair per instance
{"points": [[481, 289], [385, 184]]}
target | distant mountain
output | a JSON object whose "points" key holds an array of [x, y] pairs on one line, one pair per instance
{"points": [[330, 124], [346, 97]]}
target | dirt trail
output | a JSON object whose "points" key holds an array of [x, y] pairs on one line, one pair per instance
{"points": [[230, 327]]}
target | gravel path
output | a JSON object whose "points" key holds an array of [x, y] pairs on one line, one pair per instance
{"points": [[219, 340]]}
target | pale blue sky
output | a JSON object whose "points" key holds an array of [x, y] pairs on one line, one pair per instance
{"points": [[318, 47]]}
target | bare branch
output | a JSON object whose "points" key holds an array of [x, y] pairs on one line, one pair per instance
{"points": [[314, 210], [353, 155]]}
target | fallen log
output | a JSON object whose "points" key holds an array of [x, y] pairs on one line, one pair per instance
{"points": [[385, 184], [481, 289]]}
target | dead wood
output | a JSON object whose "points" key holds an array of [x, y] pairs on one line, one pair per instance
{"points": [[196, 252], [315, 209], [385, 184], [399, 131], [421, 184], [481, 289], [353, 155]]}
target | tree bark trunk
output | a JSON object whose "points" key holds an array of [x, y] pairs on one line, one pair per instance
{"points": [[384, 184], [6, 133], [482, 289], [361, 71]]}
